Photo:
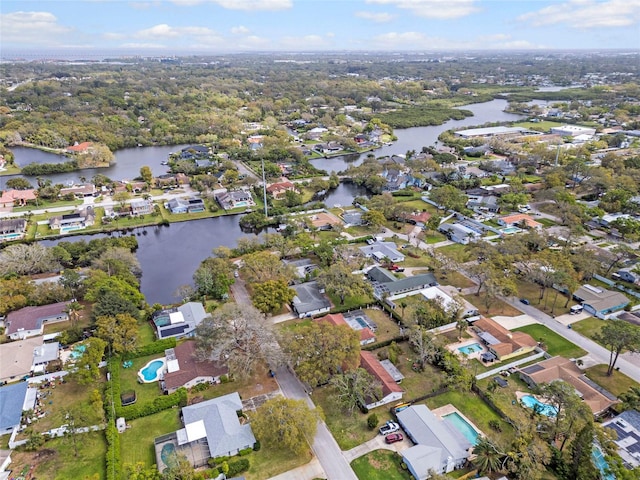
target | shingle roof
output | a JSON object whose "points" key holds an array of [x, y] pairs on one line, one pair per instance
{"points": [[521, 217], [371, 364], [11, 402], [308, 298], [30, 318], [16, 358], [599, 298], [190, 367], [507, 341]]}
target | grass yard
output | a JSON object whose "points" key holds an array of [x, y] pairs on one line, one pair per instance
{"points": [[268, 463], [555, 344], [145, 392], [351, 302], [387, 327], [146, 334], [497, 306], [260, 382], [589, 327], [474, 408], [458, 280], [531, 292], [618, 383], [56, 460], [460, 253], [546, 222], [380, 465], [136, 443]]}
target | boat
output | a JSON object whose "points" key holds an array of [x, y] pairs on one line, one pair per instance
{"points": [[164, 163]]}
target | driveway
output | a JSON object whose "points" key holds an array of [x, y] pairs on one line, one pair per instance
{"points": [[376, 443]]}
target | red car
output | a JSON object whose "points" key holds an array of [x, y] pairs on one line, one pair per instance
{"points": [[393, 438]]}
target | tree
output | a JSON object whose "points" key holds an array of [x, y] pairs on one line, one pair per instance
{"points": [[119, 261], [320, 350], [563, 398], [263, 266], [119, 331], [461, 326], [14, 293], [121, 198], [73, 310], [74, 419], [238, 336], [19, 183], [356, 388], [619, 254], [631, 399], [286, 424], [338, 280], [269, 296], [27, 259], [617, 336], [140, 471], [375, 218], [178, 468], [581, 465], [213, 277], [146, 174], [113, 303], [488, 456], [86, 369], [423, 344], [449, 197], [71, 280]]}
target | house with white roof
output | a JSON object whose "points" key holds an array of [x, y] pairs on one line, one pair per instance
{"points": [[179, 322], [381, 251]]}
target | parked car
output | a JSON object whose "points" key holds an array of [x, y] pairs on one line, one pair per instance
{"points": [[393, 438], [389, 427], [525, 301]]}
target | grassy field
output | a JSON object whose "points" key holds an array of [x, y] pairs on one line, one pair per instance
{"points": [[56, 460], [497, 306], [618, 383], [145, 392], [555, 344], [589, 327], [268, 463], [531, 292], [543, 126], [380, 465], [136, 443]]}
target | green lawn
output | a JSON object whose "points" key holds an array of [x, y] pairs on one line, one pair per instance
{"points": [[136, 443], [618, 383], [380, 465], [556, 345], [146, 334], [546, 222], [589, 327], [145, 392], [531, 292], [350, 302], [268, 463]]}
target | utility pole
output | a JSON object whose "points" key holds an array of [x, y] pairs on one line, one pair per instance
{"points": [[264, 190]]}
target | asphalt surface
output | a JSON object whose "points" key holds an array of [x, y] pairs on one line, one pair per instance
{"points": [[324, 446]]}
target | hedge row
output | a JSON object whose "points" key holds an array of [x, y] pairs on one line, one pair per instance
{"points": [[159, 346], [374, 346], [239, 466], [130, 412], [112, 457]]}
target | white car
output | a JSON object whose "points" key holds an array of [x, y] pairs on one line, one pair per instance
{"points": [[389, 427]]}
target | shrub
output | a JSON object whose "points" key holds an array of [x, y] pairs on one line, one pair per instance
{"points": [[256, 446], [495, 425], [239, 466], [224, 379], [372, 421], [245, 451], [159, 346]]}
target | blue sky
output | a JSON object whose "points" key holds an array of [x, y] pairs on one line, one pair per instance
{"points": [[224, 26]]}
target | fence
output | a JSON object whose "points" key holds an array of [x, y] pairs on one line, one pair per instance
{"points": [[499, 369], [619, 286]]}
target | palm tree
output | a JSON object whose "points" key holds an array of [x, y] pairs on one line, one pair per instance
{"points": [[488, 457], [73, 310]]}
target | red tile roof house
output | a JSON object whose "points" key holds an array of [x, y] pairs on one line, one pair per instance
{"points": [[29, 321], [184, 369], [391, 391], [80, 147], [518, 220], [19, 198], [366, 335], [501, 342], [279, 189]]}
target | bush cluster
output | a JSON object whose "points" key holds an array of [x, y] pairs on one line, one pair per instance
{"points": [[130, 412], [159, 346]]}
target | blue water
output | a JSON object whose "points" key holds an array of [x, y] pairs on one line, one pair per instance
{"points": [[601, 463], [150, 372], [463, 427], [361, 322], [166, 454], [509, 230], [544, 408], [469, 349], [78, 351]]}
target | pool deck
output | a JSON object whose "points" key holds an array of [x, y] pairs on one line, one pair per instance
{"points": [[448, 409], [453, 347], [160, 371]]}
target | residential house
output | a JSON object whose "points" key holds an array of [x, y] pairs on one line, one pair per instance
{"points": [[129, 187], [418, 218], [385, 284], [573, 130], [78, 220], [16, 198], [193, 152], [459, 233], [212, 429], [447, 298], [29, 321], [315, 133], [278, 190], [80, 147], [310, 300], [185, 370], [43, 355], [185, 205], [366, 334], [324, 220], [521, 220], [79, 191], [303, 266], [627, 428], [439, 446], [12, 228], [353, 218], [501, 342], [16, 358], [255, 142], [141, 207], [391, 391], [179, 322], [599, 301], [12, 399], [481, 199], [629, 274], [235, 199], [382, 251], [560, 368]]}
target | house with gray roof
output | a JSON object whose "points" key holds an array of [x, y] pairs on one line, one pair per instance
{"points": [[384, 282], [185, 205], [235, 199], [458, 233], [179, 322], [12, 399], [439, 446], [310, 300], [12, 228], [627, 428], [212, 429], [29, 321], [599, 301], [381, 251]]}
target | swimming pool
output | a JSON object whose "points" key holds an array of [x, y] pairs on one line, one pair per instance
{"points": [[471, 348], [601, 463], [510, 230], [152, 370], [77, 351], [10, 236], [167, 454], [462, 426], [530, 401]]}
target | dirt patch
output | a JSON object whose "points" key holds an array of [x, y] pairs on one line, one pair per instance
{"points": [[379, 463]]}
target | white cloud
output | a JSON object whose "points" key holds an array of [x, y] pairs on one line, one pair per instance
{"points": [[420, 41], [143, 46], [307, 42], [32, 28], [381, 17], [240, 30], [441, 9], [164, 31], [247, 5], [584, 14]]}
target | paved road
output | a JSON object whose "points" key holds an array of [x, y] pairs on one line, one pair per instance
{"points": [[596, 352], [324, 445]]}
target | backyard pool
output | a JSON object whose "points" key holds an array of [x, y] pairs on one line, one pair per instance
{"points": [[10, 236], [530, 401], [463, 427], [471, 348], [510, 230], [152, 370], [166, 454], [601, 463], [77, 351]]}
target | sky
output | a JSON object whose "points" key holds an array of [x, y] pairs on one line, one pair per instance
{"points": [[170, 27]]}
